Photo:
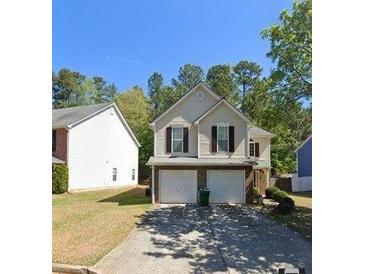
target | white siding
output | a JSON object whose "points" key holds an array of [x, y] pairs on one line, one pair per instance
{"points": [[264, 159], [222, 114], [184, 114], [98, 145]]}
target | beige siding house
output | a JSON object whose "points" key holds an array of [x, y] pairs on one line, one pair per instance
{"points": [[202, 141]]}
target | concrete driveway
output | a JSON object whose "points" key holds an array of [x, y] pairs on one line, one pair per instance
{"points": [[219, 239]]}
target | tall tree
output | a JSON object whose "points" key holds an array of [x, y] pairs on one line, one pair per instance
{"points": [[71, 88], [155, 82], [220, 79], [136, 110], [246, 74], [188, 76], [166, 97], [106, 92], [66, 87], [291, 50]]}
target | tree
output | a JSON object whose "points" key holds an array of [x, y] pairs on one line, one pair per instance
{"points": [[71, 88], [106, 92], [188, 76], [136, 110], [66, 88], [219, 78], [155, 83], [291, 50], [246, 74], [166, 97]]}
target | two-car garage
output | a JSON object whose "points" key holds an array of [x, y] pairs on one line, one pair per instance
{"points": [[181, 186]]}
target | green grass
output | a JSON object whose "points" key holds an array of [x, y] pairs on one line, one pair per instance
{"points": [[86, 226], [300, 219]]}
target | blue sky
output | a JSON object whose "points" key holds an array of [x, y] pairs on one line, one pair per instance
{"points": [[126, 41]]}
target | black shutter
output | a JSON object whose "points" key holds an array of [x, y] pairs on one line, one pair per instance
{"points": [[257, 150], [186, 140], [168, 140], [54, 139], [214, 139], [231, 138]]}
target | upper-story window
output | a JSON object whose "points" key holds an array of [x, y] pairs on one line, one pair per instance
{"points": [[252, 148], [177, 139], [223, 138]]}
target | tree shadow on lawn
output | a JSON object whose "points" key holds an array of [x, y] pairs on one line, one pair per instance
{"points": [[216, 239], [134, 196]]}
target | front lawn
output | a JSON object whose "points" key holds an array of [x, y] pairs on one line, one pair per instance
{"points": [[300, 219], [86, 226]]}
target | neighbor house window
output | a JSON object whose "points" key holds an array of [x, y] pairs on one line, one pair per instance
{"points": [[223, 138], [252, 148], [177, 139], [54, 136], [114, 174], [133, 174]]}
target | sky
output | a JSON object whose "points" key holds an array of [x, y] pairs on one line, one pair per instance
{"points": [[125, 41]]}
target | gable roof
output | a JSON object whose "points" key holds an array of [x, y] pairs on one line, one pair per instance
{"points": [[222, 101], [211, 92], [68, 116], [182, 98], [260, 132], [304, 142], [71, 117]]}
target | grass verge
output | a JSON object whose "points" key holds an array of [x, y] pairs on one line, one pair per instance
{"points": [[86, 226]]}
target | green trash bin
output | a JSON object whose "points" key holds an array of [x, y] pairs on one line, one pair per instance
{"points": [[204, 197]]}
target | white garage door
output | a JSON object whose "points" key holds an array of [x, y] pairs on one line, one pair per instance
{"points": [[226, 186], [178, 186]]}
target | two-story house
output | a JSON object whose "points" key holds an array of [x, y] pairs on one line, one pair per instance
{"points": [[97, 145], [202, 141]]}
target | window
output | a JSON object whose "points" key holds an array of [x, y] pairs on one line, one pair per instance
{"points": [[54, 136], [114, 173], [252, 148], [133, 174], [177, 139], [223, 138]]}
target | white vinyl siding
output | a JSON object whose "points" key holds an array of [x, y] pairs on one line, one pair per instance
{"points": [[98, 145]]}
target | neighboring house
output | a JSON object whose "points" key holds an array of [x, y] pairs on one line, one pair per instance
{"points": [[97, 144], [202, 141], [302, 181]]}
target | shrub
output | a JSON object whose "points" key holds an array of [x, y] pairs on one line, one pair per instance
{"points": [[255, 193], [269, 192], [286, 205], [59, 178], [279, 196]]}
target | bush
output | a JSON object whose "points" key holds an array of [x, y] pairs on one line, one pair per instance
{"points": [[269, 192], [279, 196], [255, 193], [286, 205], [59, 178]]}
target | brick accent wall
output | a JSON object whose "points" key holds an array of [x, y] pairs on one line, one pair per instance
{"points": [[202, 175], [61, 144]]}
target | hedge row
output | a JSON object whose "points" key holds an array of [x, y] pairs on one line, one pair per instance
{"points": [[286, 204]]}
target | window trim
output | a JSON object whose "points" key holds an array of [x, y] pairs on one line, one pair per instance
{"points": [[133, 174], [172, 139], [114, 173], [251, 142], [227, 127]]}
